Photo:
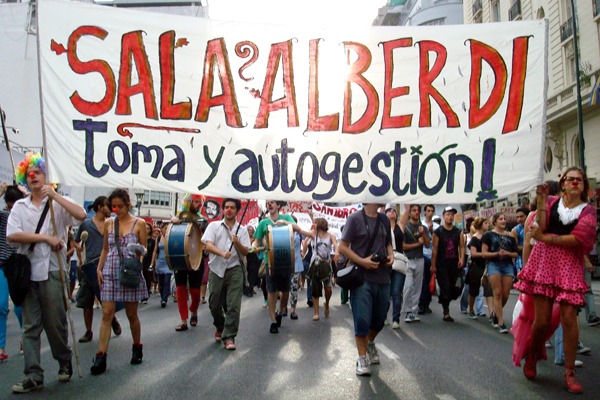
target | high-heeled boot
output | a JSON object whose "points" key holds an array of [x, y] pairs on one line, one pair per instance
{"points": [[573, 385], [137, 353]]}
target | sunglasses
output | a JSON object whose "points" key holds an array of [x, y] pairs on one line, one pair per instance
{"points": [[573, 179]]}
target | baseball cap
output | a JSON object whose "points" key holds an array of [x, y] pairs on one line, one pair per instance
{"points": [[436, 218], [449, 209]]}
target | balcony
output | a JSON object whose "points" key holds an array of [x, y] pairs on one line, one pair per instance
{"points": [[596, 6], [477, 8], [566, 30], [515, 11]]}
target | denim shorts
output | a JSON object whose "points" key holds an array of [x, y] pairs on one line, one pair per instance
{"points": [[369, 304], [504, 269]]}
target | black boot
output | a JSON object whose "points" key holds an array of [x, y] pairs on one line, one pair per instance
{"points": [[99, 364], [136, 353]]}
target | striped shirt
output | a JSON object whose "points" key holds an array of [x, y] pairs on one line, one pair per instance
{"points": [[5, 249]]}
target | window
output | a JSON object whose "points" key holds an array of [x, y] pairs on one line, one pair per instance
{"points": [[495, 10], [548, 159], [154, 198], [576, 160], [439, 21], [569, 63]]}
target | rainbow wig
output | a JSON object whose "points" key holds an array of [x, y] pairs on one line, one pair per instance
{"points": [[188, 198], [31, 161]]}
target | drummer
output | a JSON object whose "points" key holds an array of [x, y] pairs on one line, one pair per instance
{"points": [[190, 212], [277, 280]]}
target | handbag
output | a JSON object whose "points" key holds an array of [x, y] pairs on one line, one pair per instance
{"points": [[262, 269], [353, 276], [130, 269], [432, 286], [400, 263], [17, 267]]}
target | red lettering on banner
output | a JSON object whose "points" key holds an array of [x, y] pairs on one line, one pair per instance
{"points": [[389, 92], [482, 52], [355, 75], [426, 89], [169, 110], [86, 107], [132, 49], [216, 55], [517, 84], [281, 53]]}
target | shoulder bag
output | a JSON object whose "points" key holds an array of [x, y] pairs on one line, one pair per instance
{"points": [[17, 267], [400, 263], [130, 269]]}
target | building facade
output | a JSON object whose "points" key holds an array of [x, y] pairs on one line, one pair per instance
{"points": [[562, 142]]}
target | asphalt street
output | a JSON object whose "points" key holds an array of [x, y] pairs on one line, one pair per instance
{"points": [[312, 360]]}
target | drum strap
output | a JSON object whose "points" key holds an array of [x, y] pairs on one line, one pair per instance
{"points": [[242, 263]]}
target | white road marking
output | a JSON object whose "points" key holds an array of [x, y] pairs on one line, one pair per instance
{"points": [[387, 352], [445, 397]]}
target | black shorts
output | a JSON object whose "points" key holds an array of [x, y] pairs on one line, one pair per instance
{"points": [[279, 282], [182, 277]]}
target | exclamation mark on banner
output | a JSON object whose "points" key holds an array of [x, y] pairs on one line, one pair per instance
{"points": [[487, 191]]}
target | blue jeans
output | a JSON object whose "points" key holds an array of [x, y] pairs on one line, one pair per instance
{"points": [[369, 303], [396, 289], [164, 282], [559, 350], [4, 309]]}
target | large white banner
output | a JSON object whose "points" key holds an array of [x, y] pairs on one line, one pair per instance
{"points": [[363, 114]]}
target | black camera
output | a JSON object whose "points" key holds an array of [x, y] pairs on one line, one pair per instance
{"points": [[379, 258]]}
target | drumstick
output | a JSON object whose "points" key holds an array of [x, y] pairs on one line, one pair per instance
{"points": [[240, 224]]}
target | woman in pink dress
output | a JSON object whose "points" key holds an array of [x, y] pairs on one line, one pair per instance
{"points": [[132, 230], [565, 233]]}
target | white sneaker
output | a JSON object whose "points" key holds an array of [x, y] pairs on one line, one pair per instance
{"points": [[372, 353], [362, 366], [395, 325], [410, 317], [581, 349]]}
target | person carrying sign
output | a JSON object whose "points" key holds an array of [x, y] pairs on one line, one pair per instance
{"points": [[44, 306]]}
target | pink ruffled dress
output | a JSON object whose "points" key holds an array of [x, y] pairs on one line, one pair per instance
{"points": [[555, 272]]}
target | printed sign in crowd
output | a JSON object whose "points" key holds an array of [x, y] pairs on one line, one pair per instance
{"points": [[375, 114]]}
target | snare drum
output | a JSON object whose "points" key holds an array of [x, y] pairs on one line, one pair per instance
{"points": [[183, 248], [281, 252]]}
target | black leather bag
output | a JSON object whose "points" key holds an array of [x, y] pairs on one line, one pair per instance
{"points": [[17, 268], [350, 277], [130, 269]]}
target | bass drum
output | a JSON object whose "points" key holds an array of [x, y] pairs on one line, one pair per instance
{"points": [[281, 251], [183, 248]]}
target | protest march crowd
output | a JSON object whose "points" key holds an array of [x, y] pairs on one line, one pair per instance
{"points": [[388, 263]]}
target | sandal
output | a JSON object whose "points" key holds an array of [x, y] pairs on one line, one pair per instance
{"points": [[181, 328], [194, 320], [315, 318]]}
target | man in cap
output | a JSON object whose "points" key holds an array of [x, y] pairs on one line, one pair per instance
{"points": [[447, 259]]}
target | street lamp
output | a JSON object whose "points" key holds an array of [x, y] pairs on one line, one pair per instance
{"points": [[139, 197]]}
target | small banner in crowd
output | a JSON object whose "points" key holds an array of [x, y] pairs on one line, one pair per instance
{"points": [[292, 112]]}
